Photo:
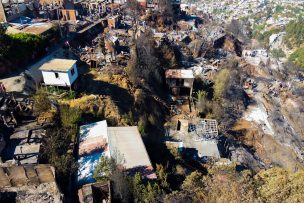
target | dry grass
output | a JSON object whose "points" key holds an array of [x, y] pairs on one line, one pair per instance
{"points": [[119, 80], [103, 107]]}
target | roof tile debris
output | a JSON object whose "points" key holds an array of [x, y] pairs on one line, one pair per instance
{"points": [[16, 176], [29, 184]]}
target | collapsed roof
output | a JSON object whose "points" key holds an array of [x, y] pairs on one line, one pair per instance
{"points": [[29, 184]]}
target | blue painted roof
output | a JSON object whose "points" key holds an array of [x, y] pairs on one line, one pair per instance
{"points": [[87, 165]]}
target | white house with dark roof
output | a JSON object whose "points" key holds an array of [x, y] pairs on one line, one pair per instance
{"points": [[59, 72]]}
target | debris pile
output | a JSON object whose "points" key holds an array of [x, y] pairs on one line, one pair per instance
{"points": [[11, 108]]}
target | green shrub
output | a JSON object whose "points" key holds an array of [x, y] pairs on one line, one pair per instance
{"points": [[128, 118], [295, 33], [297, 58], [277, 53], [263, 37], [220, 83], [279, 9], [69, 116], [104, 169], [202, 102], [24, 46], [141, 125], [41, 101]]}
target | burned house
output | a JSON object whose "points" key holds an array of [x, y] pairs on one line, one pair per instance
{"points": [[32, 183], [180, 82], [111, 45], [11, 107], [14, 10], [69, 14], [256, 57], [96, 192], [23, 147], [27, 153], [197, 137], [55, 9]]}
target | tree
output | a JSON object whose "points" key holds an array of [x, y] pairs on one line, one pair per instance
{"points": [[297, 58], [144, 68], [122, 187], [220, 83], [4, 41], [162, 176], [109, 169], [138, 187], [104, 169], [239, 30], [279, 185], [56, 151], [295, 33], [145, 191], [25, 47]]}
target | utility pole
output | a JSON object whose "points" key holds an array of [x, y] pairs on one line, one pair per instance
{"points": [[61, 35]]}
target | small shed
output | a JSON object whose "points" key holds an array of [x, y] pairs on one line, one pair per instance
{"points": [[59, 72]]}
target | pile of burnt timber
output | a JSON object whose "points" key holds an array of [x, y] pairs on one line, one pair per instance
{"points": [[12, 107]]}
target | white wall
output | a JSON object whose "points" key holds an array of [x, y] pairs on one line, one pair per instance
{"points": [[64, 79], [75, 76]]}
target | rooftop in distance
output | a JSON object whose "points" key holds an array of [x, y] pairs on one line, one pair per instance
{"points": [[36, 29]]}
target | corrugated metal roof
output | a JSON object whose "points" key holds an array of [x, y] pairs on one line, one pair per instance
{"points": [[179, 73]]}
